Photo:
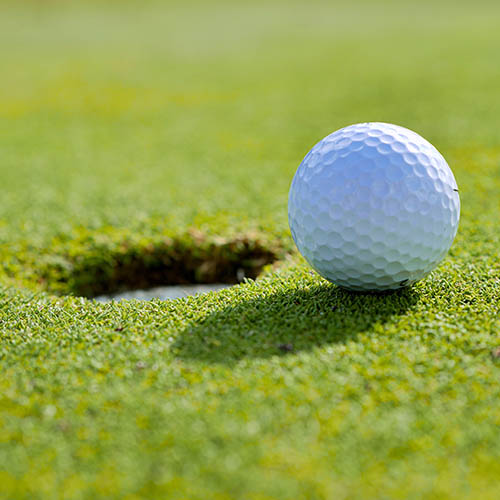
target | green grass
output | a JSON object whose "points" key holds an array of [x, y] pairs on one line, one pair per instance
{"points": [[137, 134]]}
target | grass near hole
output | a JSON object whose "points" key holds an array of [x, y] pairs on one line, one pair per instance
{"points": [[127, 127]]}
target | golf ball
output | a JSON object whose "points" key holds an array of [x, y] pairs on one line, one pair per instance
{"points": [[373, 206]]}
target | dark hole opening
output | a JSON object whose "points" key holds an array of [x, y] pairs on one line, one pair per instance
{"points": [[183, 262]]}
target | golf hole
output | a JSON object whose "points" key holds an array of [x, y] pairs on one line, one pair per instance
{"points": [[165, 269]]}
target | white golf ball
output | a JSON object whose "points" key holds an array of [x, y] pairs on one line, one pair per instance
{"points": [[373, 206]]}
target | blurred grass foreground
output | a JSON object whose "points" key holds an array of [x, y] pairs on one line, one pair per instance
{"points": [[146, 143]]}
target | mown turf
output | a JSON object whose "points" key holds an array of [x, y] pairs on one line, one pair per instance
{"points": [[134, 131]]}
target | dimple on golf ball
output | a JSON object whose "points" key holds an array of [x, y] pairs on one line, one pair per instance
{"points": [[373, 206]]}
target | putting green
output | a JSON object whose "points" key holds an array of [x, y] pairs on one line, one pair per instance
{"points": [[143, 136]]}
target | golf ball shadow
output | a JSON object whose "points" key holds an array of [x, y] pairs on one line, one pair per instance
{"points": [[290, 321]]}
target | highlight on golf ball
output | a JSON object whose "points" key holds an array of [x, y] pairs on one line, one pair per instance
{"points": [[373, 206]]}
